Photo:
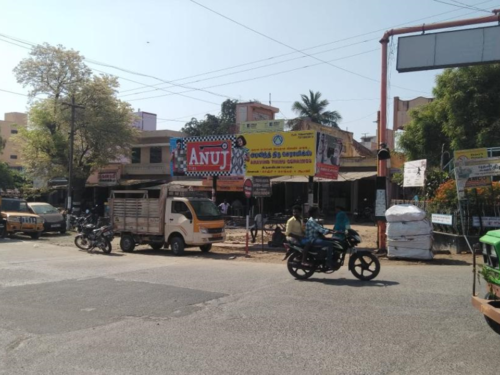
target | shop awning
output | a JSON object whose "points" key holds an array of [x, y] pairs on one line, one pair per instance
{"points": [[343, 177]]}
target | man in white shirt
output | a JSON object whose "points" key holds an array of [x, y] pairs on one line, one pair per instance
{"points": [[224, 207], [258, 224]]}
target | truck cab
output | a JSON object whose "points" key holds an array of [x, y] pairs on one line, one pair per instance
{"points": [[195, 221], [17, 217]]}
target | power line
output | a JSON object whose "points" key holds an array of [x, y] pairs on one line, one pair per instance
{"points": [[288, 46], [15, 93], [317, 46], [462, 5], [196, 89], [359, 119], [171, 92], [31, 44], [264, 76], [250, 69]]}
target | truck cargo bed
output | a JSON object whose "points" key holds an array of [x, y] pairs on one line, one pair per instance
{"points": [[137, 215]]}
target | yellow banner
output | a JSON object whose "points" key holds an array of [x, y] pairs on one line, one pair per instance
{"points": [[262, 126], [278, 153], [462, 156]]}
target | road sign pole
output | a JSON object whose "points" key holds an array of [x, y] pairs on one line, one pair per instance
{"points": [[248, 190], [262, 229], [247, 226]]}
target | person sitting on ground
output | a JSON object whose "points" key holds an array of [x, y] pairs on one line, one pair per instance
{"points": [[315, 235], [258, 224], [278, 238]]}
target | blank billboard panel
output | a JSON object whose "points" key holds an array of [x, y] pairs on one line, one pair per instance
{"points": [[449, 49]]}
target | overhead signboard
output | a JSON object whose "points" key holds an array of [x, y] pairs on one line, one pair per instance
{"points": [[414, 173], [262, 126], [462, 156], [328, 151], [253, 154], [281, 153], [449, 49]]}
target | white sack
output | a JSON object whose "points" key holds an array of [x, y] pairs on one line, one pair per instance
{"points": [[409, 253], [404, 212], [414, 242], [409, 228]]}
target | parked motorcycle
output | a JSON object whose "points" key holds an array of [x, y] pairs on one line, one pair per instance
{"points": [[364, 214], [363, 264], [91, 238]]}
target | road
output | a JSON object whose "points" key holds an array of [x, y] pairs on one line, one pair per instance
{"points": [[64, 311]]}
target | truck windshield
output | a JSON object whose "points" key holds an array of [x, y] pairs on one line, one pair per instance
{"points": [[14, 205], [205, 210]]}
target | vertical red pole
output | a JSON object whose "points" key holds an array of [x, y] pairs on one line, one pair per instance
{"points": [[247, 226], [382, 134]]}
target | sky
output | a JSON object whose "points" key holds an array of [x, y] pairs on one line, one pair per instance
{"points": [[180, 60]]}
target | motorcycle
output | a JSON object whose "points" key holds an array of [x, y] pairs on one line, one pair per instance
{"points": [[91, 238], [364, 214], [363, 264]]}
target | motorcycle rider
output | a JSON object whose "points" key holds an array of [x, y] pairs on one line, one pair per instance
{"points": [[341, 222], [295, 232], [314, 232]]}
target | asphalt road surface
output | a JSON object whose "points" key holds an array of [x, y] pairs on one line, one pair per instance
{"points": [[64, 311]]}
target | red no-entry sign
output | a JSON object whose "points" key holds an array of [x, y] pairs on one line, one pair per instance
{"points": [[248, 188]]}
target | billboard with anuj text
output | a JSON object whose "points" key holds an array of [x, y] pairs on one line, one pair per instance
{"points": [[257, 154]]}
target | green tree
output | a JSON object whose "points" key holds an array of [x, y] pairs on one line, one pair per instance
{"points": [[6, 177], [103, 130], [314, 108], [423, 137], [220, 124], [465, 114], [469, 102]]}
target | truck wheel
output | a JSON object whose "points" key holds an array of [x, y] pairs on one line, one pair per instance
{"points": [[206, 248], [127, 244], [177, 246], [156, 245], [36, 235]]}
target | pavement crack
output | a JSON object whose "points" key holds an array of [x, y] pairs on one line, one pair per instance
{"points": [[15, 344]]}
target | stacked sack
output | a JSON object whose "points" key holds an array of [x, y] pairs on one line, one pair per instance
{"points": [[408, 233]]}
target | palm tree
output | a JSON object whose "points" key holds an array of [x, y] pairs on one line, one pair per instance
{"points": [[313, 108]]}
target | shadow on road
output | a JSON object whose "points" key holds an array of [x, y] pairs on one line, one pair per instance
{"points": [[191, 254], [354, 283], [99, 252], [432, 262]]}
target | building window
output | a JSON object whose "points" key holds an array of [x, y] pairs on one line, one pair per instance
{"points": [[13, 131], [136, 155], [13, 156], [155, 155]]}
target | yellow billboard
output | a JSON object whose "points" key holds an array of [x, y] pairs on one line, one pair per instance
{"points": [[477, 153], [277, 153]]}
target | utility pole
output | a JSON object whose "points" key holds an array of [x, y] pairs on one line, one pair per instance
{"points": [[71, 146]]}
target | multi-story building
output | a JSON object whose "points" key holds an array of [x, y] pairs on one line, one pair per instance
{"points": [[9, 127], [149, 161], [402, 110]]}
